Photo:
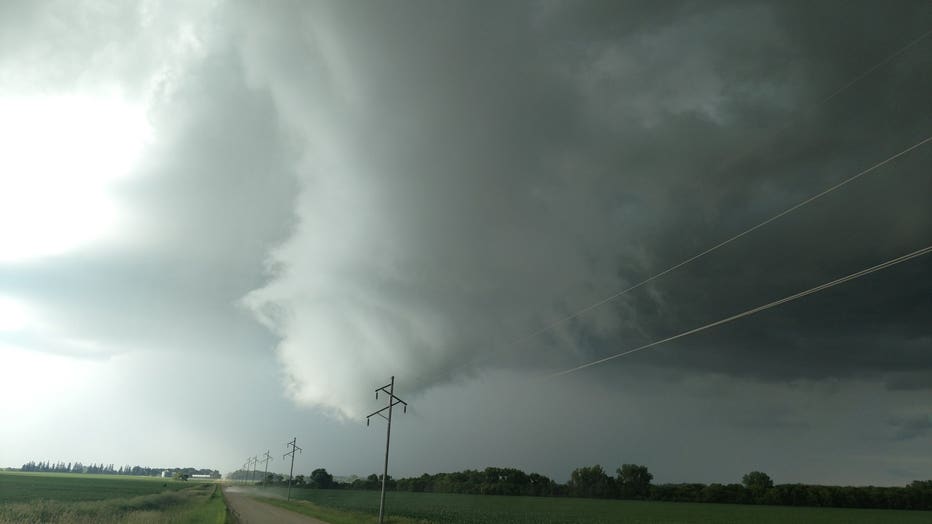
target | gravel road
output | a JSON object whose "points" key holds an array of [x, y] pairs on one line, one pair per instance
{"points": [[250, 511]]}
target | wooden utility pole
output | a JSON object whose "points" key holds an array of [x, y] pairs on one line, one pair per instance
{"points": [[266, 459], [294, 447], [392, 401]]}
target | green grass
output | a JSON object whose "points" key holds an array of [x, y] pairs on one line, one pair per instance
{"points": [[479, 509], [212, 510], [49, 497]]}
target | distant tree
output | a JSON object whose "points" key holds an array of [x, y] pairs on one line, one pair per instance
{"points": [[321, 479], [757, 482], [372, 482], [180, 476], [591, 482], [540, 485], [633, 481], [300, 481], [920, 485]]}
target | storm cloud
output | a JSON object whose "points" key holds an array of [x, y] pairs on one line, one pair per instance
{"points": [[482, 173]]}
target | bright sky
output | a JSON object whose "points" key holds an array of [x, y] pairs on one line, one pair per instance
{"points": [[61, 156]]}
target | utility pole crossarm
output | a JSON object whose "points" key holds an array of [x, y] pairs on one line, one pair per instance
{"points": [[395, 402], [296, 448], [395, 399]]}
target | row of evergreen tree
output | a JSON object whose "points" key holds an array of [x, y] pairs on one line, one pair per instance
{"points": [[109, 469], [72, 467]]}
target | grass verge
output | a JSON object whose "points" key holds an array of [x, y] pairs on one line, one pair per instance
{"points": [[197, 504]]}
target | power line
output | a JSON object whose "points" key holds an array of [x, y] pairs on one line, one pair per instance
{"points": [[867, 72], [392, 402], [752, 311], [725, 164], [832, 95], [876, 66], [721, 244]]}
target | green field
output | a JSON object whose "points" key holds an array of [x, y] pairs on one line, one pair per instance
{"points": [[24, 487], [63, 497], [482, 509]]}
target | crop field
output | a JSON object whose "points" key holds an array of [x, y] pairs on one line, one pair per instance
{"points": [[51, 497], [482, 509], [24, 487]]}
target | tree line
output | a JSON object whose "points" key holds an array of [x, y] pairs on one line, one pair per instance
{"points": [[109, 469], [632, 481], [318, 479]]}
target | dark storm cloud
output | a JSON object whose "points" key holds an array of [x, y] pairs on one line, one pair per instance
{"points": [[913, 427], [479, 173], [873, 326]]}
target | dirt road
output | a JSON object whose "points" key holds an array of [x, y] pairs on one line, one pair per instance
{"points": [[250, 511]]}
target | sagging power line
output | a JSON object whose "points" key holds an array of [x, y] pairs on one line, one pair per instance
{"points": [[392, 402], [864, 74], [877, 66], [725, 242], [833, 94], [758, 309], [727, 163], [614, 296]]}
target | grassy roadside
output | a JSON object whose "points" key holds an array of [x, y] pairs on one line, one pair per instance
{"points": [[201, 503], [213, 510], [334, 516]]}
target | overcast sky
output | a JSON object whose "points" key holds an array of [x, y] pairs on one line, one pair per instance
{"points": [[224, 224]]}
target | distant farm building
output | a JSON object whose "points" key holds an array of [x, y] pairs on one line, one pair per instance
{"points": [[166, 474]]}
